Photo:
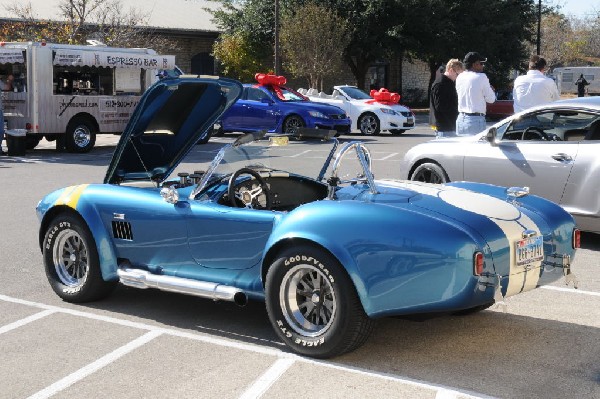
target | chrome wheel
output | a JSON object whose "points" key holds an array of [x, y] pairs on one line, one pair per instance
{"points": [[369, 125], [292, 123], [82, 136], [70, 257], [307, 300]]}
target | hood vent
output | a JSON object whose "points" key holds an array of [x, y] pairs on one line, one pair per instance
{"points": [[122, 230]]}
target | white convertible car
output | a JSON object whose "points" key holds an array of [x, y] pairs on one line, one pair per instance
{"points": [[552, 149], [368, 115]]}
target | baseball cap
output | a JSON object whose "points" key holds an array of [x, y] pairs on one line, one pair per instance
{"points": [[473, 57]]}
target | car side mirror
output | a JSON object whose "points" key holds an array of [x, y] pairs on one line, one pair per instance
{"points": [[491, 136], [265, 100]]}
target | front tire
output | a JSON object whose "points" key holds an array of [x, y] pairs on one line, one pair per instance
{"points": [[292, 123], [313, 305], [80, 136], [430, 173], [71, 261], [369, 124]]}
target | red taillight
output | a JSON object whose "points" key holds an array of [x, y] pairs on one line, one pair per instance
{"points": [[576, 238], [478, 263], [28, 126]]}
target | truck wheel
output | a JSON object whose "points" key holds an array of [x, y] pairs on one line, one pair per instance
{"points": [[81, 135], [313, 305], [71, 261]]}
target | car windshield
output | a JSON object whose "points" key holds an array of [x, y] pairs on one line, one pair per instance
{"points": [[286, 94], [284, 154], [356, 93]]}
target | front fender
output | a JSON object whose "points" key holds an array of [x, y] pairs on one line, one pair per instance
{"points": [[75, 199]]}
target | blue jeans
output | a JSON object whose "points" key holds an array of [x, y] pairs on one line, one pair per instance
{"points": [[1, 127], [468, 125]]}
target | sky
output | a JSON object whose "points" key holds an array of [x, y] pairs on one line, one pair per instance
{"points": [[578, 8]]}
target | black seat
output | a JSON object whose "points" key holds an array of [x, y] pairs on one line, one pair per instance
{"points": [[594, 131]]}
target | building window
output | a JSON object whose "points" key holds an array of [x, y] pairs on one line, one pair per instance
{"points": [[377, 76]]}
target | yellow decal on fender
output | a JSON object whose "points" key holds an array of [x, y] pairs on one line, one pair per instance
{"points": [[71, 195]]}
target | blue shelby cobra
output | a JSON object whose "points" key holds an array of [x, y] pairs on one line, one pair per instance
{"points": [[325, 245]]}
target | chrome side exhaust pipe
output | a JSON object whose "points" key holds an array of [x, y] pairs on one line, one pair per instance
{"points": [[143, 279]]}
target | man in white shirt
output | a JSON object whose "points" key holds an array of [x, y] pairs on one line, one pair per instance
{"points": [[474, 91], [534, 88]]}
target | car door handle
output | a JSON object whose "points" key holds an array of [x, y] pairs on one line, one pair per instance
{"points": [[561, 156]]}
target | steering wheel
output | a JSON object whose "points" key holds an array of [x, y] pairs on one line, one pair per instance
{"points": [[247, 194], [534, 133]]}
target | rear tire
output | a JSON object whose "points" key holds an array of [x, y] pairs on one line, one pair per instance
{"points": [[81, 135], [313, 305], [430, 173]]}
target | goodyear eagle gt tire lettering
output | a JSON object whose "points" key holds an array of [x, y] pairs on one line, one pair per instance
{"points": [[313, 305], [71, 261]]}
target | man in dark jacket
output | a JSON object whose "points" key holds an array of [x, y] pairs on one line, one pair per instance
{"points": [[443, 103], [581, 83]]}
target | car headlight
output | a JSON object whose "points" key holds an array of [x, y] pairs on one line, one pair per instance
{"points": [[388, 111], [317, 114]]}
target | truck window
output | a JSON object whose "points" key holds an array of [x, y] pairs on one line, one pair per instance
{"points": [[19, 73], [86, 80]]}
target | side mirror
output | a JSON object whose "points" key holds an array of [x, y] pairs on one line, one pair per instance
{"points": [[266, 100], [491, 136]]}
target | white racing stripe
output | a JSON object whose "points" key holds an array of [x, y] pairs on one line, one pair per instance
{"points": [[505, 215]]}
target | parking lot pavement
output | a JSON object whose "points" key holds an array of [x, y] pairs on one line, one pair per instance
{"points": [[61, 352]]}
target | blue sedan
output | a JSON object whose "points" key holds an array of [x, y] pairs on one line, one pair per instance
{"points": [[278, 109], [324, 245]]}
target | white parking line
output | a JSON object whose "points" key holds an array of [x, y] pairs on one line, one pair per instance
{"points": [[393, 154], [300, 154], [94, 366], [264, 382], [570, 290], [284, 358], [26, 320]]}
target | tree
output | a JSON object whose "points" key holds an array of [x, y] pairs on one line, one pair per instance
{"points": [[313, 53], [103, 20], [253, 22], [498, 29], [233, 52]]}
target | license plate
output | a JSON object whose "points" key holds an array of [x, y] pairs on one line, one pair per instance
{"points": [[410, 120], [529, 250]]}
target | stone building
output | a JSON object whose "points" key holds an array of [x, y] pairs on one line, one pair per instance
{"points": [[189, 25]]}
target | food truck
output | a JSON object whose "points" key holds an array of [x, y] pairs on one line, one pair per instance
{"points": [[71, 93]]}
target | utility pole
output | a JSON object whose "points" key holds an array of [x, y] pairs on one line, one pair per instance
{"points": [[539, 27], [277, 61]]}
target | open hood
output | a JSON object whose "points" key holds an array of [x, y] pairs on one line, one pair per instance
{"points": [[171, 117]]}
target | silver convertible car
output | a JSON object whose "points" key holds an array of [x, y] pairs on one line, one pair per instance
{"points": [[552, 149]]}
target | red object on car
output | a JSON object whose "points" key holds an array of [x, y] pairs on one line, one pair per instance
{"points": [[503, 107]]}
